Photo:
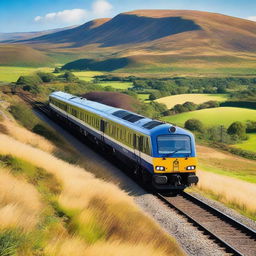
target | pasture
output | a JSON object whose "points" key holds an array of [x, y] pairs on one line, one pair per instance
{"points": [[11, 74], [214, 116], [87, 76], [117, 84], [171, 101], [249, 144]]}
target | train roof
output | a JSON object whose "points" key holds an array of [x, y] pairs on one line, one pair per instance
{"points": [[128, 118]]}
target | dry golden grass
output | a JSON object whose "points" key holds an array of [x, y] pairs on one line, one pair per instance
{"points": [[98, 210], [171, 101], [23, 135], [66, 248], [20, 204], [229, 190]]}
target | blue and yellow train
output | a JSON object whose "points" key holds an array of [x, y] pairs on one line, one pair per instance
{"points": [[161, 155]]}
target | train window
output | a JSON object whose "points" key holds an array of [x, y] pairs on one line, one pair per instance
{"points": [[152, 124]]}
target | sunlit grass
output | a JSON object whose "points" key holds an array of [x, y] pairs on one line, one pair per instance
{"points": [[214, 116], [94, 210], [249, 144], [171, 101], [87, 76], [117, 85], [11, 74], [235, 193]]}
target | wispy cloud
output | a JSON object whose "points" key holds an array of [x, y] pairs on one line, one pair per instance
{"points": [[252, 18], [100, 8]]}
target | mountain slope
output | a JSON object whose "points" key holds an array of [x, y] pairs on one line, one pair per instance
{"points": [[162, 40], [168, 26]]}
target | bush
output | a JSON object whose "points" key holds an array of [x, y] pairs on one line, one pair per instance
{"points": [[30, 83], [237, 129], [250, 126], [69, 77], [46, 77], [194, 125], [45, 132], [209, 104]]}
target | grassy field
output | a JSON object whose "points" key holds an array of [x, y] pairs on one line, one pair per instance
{"points": [[87, 75], [11, 74], [249, 144], [227, 178], [143, 97], [64, 209], [171, 101], [117, 85], [214, 116]]}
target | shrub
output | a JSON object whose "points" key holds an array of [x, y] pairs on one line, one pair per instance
{"points": [[46, 77], [194, 125], [250, 126], [237, 129], [30, 83], [57, 70]]}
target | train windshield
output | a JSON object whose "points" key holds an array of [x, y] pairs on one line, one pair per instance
{"points": [[172, 144]]}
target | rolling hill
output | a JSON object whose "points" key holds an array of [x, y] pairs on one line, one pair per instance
{"points": [[158, 41]]}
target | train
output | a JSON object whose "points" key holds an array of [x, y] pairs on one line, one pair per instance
{"points": [[160, 155]]}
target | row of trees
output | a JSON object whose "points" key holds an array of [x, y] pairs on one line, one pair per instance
{"points": [[236, 132]]}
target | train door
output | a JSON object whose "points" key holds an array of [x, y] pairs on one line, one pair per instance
{"points": [[137, 145], [103, 126]]}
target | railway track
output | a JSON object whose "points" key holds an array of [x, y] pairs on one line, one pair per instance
{"points": [[231, 235], [234, 237]]}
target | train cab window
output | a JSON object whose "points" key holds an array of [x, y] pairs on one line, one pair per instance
{"points": [[172, 144]]}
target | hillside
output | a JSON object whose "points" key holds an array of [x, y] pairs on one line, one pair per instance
{"points": [[159, 41], [14, 36]]}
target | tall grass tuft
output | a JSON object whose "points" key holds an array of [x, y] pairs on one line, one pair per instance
{"points": [[234, 192], [20, 203], [94, 211]]}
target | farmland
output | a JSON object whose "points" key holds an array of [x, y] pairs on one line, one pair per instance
{"points": [[249, 144], [87, 76], [171, 101], [215, 116], [11, 74], [117, 85]]}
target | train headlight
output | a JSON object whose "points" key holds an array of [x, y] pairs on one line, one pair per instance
{"points": [[160, 168], [191, 167]]}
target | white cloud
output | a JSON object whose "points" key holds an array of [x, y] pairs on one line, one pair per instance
{"points": [[101, 8], [66, 17], [38, 18], [252, 18]]}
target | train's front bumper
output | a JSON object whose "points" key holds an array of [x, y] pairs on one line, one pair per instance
{"points": [[177, 181]]}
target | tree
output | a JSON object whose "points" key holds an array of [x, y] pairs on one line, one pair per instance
{"points": [[70, 77], [237, 129], [57, 70], [194, 125]]}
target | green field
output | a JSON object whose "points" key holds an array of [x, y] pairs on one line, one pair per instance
{"points": [[87, 75], [11, 74], [249, 144], [171, 101], [214, 116], [143, 97], [117, 84]]}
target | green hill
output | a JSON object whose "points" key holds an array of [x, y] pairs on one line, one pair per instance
{"points": [[214, 116]]}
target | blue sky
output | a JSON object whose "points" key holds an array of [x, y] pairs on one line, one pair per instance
{"points": [[35, 15]]}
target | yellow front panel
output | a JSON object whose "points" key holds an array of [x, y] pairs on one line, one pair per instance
{"points": [[174, 164]]}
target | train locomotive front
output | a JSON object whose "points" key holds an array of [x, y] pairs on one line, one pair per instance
{"points": [[174, 159]]}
